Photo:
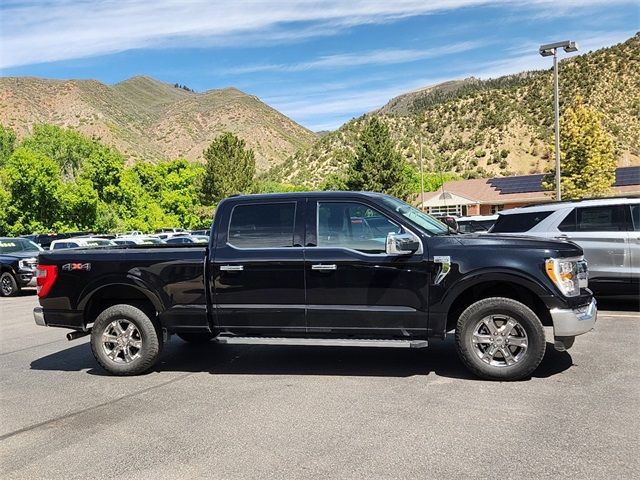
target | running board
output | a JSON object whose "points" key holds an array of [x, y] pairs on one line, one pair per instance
{"points": [[322, 342]]}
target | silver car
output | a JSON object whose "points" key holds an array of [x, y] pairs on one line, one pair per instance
{"points": [[608, 230]]}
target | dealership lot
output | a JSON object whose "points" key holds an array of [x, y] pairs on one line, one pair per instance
{"points": [[295, 412]]}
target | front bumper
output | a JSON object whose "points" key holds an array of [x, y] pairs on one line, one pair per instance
{"points": [[572, 322], [26, 278], [38, 316]]}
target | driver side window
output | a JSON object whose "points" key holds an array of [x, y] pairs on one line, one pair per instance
{"points": [[354, 226]]}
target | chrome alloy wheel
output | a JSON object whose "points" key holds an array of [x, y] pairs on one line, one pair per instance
{"points": [[121, 341], [499, 340]]}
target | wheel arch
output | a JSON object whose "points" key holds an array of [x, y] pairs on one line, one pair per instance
{"points": [[5, 267], [101, 297], [497, 284]]}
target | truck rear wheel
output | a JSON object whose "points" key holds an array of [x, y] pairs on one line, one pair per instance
{"points": [[125, 341], [500, 339]]}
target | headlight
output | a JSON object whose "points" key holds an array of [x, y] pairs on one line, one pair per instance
{"points": [[569, 274], [27, 263]]}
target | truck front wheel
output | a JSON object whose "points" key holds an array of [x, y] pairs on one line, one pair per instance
{"points": [[500, 339], [8, 285], [125, 341]]}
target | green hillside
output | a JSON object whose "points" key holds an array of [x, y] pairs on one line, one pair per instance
{"points": [[146, 119], [492, 127]]}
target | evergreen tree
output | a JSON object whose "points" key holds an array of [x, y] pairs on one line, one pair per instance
{"points": [[378, 166], [229, 168], [587, 161]]}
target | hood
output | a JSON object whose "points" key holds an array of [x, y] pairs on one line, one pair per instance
{"points": [[566, 248], [19, 255]]}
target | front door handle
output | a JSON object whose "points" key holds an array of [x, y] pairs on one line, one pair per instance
{"points": [[563, 237], [323, 267], [231, 268]]}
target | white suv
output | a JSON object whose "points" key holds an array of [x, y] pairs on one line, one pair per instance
{"points": [[608, 230]]}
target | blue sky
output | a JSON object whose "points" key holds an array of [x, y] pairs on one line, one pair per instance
{"points": [[319, 62]]}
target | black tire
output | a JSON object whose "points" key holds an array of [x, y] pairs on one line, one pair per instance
{"points": [[148, 333], [196, 337], [8, 285], [528, 359]]}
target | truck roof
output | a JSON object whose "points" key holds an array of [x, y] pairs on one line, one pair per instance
{"points": [[315, 194]]}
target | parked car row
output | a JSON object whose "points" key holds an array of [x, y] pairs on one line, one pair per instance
{"points": [[18, 256], [608, 230]]}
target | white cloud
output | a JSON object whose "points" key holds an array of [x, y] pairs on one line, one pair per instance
{"points": [[335, 108], [356, 59], [525, 57], [49, 30], [326, 107]]}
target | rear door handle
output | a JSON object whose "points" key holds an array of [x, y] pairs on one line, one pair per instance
{"points": [[563, 237], [231, 268], [323, 267]]}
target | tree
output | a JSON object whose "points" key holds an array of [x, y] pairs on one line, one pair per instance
{"points": [[5, 203], [33, 181], [7, 144], [178, 196], [229, 168], [104, 168], [587, 161], [377, 165], [66, 147], [334, 182], [78, 206]]}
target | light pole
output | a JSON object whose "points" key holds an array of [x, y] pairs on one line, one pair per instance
{"points": [[546, 51]]}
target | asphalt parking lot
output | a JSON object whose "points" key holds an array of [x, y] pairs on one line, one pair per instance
{"points": [[298, 412]]}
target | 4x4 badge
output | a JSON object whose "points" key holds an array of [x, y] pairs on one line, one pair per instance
{"points": [[76, 266]]}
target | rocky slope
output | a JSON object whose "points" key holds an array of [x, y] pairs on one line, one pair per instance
{"points": [[151, 120], [492, 127]]}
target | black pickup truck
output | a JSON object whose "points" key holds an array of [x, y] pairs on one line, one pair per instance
{"points": [[329, 268]]}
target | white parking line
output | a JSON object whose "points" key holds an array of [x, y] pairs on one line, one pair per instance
{"points": [[620, 315]]}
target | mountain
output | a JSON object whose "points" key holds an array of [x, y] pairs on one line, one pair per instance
{"points": [[403, 104], [503, 126], [151, 120]]}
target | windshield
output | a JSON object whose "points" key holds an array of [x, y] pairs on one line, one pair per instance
{"points": [[415, 216], [13, 245]]}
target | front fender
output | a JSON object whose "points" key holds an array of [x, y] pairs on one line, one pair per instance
{"points": [[491, 275], [452, 290]]}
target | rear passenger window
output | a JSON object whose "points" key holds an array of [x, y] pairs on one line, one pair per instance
{"points": [[610, 218], [518, 222], [262, 226]]}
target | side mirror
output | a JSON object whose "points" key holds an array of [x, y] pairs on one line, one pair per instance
{"points": [[402, 244], [451, 223]]}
